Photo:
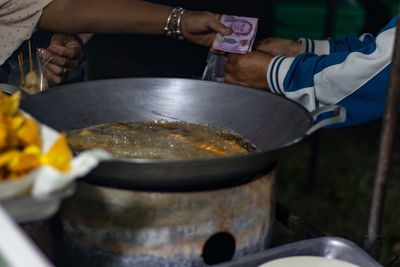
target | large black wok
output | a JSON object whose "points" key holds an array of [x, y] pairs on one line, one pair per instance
{"points": [[269, 121]]}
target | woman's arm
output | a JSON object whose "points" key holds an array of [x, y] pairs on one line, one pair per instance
{"points": [[104, 16], [127, 16]]}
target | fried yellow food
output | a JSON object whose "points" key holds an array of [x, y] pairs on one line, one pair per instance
{"points": [[9, 104], [28, 134], [159, 140], [59, 155], [20, 147]]}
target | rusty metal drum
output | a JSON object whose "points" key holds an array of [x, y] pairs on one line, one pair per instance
{"points": [[103, 226]]}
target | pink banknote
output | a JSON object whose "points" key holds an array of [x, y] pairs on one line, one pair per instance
{"points": [[241, 39]]}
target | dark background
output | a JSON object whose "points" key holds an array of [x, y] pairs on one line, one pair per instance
{"points": [[112, 56]]}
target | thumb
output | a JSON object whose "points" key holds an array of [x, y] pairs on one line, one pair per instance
{"points": [[220, 28], [44, 53]]}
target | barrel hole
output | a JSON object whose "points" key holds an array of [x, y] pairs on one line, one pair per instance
{"points": [[219, 247]]}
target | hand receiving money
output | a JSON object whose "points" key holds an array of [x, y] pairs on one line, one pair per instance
{"points": [[242, 37]]}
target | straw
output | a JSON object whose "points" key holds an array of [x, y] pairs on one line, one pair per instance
{"points": [[21, 67], [30, 56]]}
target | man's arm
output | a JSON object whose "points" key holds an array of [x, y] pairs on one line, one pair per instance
{"points": [[356, 80], [346, 44]]}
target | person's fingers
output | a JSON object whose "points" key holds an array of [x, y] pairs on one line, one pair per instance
{"points": [[56, 69], [228, 78], [59, 61], [217, 52], [260, 46], [217, 17], [216, 25], [244, 83], [265, 48], [65, 51], [51, 76], [64, 62], [44, 53], [228, 68], [232, 57], [257, 43]]}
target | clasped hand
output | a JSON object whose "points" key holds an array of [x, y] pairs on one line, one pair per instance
{"points": [[64, 53], [251, 69]]}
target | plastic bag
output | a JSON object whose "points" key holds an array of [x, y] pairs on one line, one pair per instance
{"points": [[214, 70], [28, 74]]}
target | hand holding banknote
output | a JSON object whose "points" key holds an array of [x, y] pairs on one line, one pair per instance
{"points": [[239, 69], [201, 27], [241, 39]]}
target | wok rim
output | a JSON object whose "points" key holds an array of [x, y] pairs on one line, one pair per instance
{"points": [[130, 183], [275, 149]]}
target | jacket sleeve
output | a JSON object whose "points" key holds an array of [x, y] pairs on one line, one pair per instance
{"points": [[348, 43], [330, 45], [356, 79]]}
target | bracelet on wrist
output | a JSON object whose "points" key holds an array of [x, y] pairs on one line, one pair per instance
{"points": [[172, 27]]}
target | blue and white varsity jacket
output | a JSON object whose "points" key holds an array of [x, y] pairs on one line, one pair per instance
{"points": [[352, 72]]}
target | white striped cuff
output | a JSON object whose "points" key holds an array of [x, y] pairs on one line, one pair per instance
{"points": [[276, 73], [318, 47]]}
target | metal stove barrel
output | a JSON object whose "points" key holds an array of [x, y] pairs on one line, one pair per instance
{"points": [[105, 226]]}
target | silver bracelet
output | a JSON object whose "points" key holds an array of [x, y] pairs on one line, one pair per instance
{"points": [[172, 27]]}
